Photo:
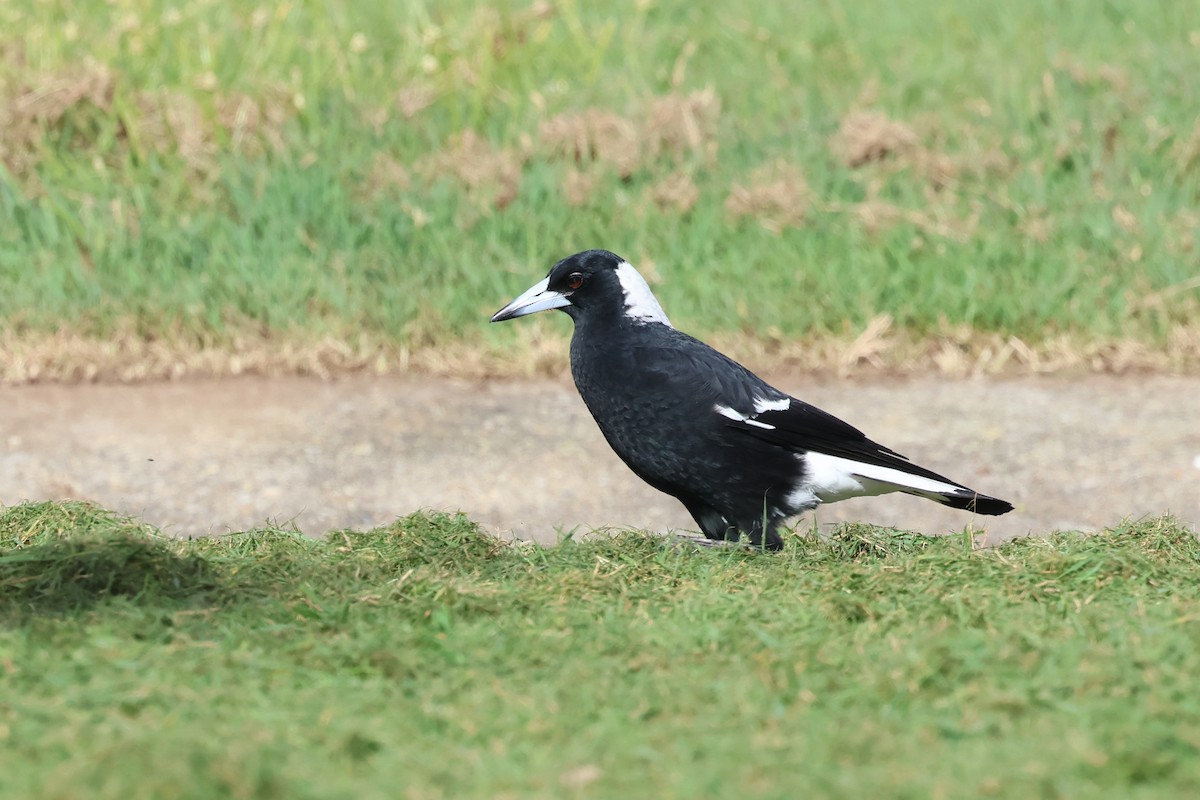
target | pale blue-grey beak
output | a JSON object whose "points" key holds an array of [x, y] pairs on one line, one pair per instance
{"points": [[537, 298]]}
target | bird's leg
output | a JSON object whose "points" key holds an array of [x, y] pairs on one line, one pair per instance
{"points": [[712, 523], [766, 537], [704, 541], [764, 533]]}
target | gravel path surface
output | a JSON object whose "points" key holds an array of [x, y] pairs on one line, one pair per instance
{"points": [[525, 457]]}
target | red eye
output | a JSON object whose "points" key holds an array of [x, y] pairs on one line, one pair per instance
{"points": [[575, 280]]}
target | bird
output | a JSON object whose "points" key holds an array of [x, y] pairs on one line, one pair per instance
{"points": [[741, 456]]}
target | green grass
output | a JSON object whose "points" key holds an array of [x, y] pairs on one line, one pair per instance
{"points": [[206, 172], [427, 660]]}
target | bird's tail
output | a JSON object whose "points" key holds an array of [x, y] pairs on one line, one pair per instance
{"points": [[852, 478], [934, 487], [971, 501]]}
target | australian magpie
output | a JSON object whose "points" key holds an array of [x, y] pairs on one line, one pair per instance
{"points": [[739, 454]]}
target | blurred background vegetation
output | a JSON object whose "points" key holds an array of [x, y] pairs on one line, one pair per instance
{"points": [[214, 187]]}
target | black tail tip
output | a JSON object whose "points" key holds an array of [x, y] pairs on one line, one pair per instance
{"points": [[978, 503]]}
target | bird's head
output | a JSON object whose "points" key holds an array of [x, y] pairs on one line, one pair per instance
{"points": [[592, 282]]}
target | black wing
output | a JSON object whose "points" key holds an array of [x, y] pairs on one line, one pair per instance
{"points": [[801, 427]]}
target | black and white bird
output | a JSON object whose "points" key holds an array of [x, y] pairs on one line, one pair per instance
{"points": [[739, 454]]}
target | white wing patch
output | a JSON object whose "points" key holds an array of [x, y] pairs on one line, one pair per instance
{"points": [[761, 404], [832, 478], [726, 411], [640, 303]]}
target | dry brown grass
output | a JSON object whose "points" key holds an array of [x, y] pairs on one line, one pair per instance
{"points": [[541, 350], [387, 175], [487, 173], [593, 136], [871, 138], [413, 99], [877, 146], [942, 220], [681, 125], [407, 101], [664, 140], [161, 121], [675, 126], [1110, 77], [32, 106], [868, 136], [578, 186], [961, 352], [1183, 229], [776, 195], [677, 192], [1187, 150], [127, 357]]}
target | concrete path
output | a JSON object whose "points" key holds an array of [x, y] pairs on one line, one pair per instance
{"points": [[525, 457]]}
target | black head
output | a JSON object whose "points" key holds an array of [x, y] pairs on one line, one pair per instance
{"points": [[592, 282]]}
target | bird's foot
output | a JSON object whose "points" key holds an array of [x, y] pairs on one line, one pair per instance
{"points": [[699, 540]]}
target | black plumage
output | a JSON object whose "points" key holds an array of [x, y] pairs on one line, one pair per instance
{"points": [[739, 454]]}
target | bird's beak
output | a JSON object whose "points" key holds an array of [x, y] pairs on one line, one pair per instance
{"points": [[538, 298]]}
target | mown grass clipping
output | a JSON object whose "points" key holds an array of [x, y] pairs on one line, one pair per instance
{"points": [[427, 659], [216, 188]]}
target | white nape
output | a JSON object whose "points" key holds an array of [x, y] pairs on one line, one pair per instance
{"points": [[640, 303]]}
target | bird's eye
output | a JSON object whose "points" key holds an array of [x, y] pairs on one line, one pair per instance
{"points": [[575, 280]]}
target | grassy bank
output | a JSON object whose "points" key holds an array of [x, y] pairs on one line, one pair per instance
{"points": [[356, 185], [428, 660]]}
